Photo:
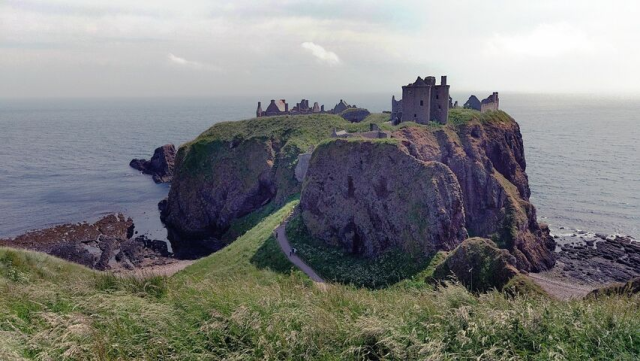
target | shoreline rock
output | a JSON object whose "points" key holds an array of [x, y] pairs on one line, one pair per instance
{"points": [[598, 259], [160, 166], [107, 244]]}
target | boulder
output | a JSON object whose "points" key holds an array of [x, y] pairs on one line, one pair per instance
{"points": [[369, 196], [479, 265], [161, 165], [355, 115]]}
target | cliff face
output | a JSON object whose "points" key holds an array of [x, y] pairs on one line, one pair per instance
{"points": [[486, 157], [235, 167], [239, 179], [369, 196]]}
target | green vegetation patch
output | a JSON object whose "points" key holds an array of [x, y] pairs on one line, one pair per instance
{"points": [[337, 265]]}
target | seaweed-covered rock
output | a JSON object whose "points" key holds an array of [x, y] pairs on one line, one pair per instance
{"points": [[478, 264]]}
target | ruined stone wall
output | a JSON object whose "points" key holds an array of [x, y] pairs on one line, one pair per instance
{"points": [[440, 104], [416, 104], [491, 103]]}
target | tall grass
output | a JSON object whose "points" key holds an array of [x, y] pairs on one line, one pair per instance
{"points": [[232, 305]]}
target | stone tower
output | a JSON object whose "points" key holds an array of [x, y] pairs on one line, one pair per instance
{"points": [[424, 101]]}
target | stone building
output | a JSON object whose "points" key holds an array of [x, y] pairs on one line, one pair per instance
{"points": [[281, 107], [491, 103], [473, 103], [422, 101], [341, 107], [276, 107]]}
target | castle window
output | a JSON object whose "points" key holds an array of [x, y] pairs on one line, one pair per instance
{"points": [[415, 115], [439, 106], [437, 96], [421, 102]]}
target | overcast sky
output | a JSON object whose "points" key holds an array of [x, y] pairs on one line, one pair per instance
{"points": [[79, 48]]}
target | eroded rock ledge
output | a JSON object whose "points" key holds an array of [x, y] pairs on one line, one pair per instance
{"points": [[161, 165], [107, 244]]}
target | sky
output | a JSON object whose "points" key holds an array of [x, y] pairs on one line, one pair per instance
{"points": [[203, 48]]}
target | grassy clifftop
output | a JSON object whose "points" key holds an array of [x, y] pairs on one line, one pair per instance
{"points": [[246, 302]]}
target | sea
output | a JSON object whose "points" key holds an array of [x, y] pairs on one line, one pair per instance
{"points": [[67, 160]]}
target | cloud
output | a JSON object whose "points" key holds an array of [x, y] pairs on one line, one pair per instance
{"points": [[322, 54], [545, 40], [176, 60], [182, 61]]}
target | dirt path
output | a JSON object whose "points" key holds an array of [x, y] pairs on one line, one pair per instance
{"points": [[281, 237], [159, 270], [560, 289]]}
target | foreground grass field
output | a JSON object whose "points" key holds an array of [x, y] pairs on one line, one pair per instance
{"points": [[245, 302]]}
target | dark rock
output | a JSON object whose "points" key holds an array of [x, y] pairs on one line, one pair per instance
{"points": [[74, 252], [243, 181], [355, 115], [160, 166], [162, 207], [363, 195], [103, 245]]}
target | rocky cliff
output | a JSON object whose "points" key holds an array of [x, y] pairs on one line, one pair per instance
{"points": [[235, 167], [424, 189], [483, 152], [371, 195]]}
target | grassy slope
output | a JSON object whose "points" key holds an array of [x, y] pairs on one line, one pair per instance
{"points": [[335, 264], [295, 133], [245, 302]]}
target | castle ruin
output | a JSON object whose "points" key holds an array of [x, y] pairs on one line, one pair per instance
{"points": [[422, 102], [492, 102], [281, 107]]}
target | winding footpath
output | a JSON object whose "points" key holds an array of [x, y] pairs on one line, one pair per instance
{"points": [[281, 237]]}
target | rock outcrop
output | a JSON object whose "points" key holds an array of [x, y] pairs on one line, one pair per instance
{"points": [[599, 258], [467, 176], [487, 158], [355, 115], [243, 180], [236, 167], [479, 265], [369, 196], [161, 165], [104, 245]]}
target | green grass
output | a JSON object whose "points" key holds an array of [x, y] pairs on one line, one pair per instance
{"points": [[337, 265], [244, 303]]}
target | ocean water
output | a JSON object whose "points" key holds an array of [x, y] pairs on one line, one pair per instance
{"points": [[67, 160]]}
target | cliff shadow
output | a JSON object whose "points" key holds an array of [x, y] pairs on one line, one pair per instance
{"points": [[334, 264]]}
